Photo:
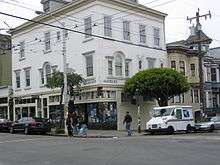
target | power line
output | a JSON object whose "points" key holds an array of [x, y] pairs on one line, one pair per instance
{"points": [[79, 32]]}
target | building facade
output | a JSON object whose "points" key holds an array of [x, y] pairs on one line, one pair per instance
{"points": [[5, 74], [212, 81], [108, 43]]}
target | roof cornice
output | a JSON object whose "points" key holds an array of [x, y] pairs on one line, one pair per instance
{"points": [[79, 3]]}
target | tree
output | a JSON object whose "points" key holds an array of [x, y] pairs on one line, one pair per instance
{"points": [[158, 83], [74, 81]]}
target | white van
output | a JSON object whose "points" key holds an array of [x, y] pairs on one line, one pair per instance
{"points": [[170, 119]]}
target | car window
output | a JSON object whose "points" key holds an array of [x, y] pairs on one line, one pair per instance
{"points": [[186, 113], [179, 113]]}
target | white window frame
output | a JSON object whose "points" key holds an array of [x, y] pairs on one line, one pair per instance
{"points": [[18, 79], [126, 30], [22, 49], [119, 65], [127, 68], [107, 26], [88, 27], [156, 34], [89, 66], [142, 33], [27, 73], [42, 79], [110, 67], [47, 41]]}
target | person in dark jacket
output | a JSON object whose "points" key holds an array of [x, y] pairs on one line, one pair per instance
{"points": [[127, 121], [69, 124]]}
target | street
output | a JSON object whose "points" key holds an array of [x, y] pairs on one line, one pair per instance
{"points": [[181, 149]]}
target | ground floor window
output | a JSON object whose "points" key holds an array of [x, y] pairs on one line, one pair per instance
{"points": [[3, 112], [56, 116]]}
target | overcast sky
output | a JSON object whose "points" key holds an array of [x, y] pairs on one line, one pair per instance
{"points": [[177, 27]]}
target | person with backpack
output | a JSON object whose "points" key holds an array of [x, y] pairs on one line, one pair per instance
{"points": [[127, 121]]}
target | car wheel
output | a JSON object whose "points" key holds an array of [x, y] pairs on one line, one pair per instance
{"points": [[188, 129], [26, 131], [211, 129], [170, 130], [12, 130]]}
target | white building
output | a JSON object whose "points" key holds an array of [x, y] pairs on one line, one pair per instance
{"points": [[132, 39]]}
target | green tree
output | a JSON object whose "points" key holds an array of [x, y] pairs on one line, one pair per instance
{"points": [[74, 81], [158, 83]]}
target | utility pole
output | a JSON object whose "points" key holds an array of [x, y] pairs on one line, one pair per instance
{"points": [[200, 54]]}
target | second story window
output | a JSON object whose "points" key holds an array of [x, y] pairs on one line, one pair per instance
{"points": [[142, 29], [18, 79], [47, 41], [193, 70], [182, 67], [22, 53], [89, 65], [126, 30], [88, 27], [58, 35], [41, 76], [156, 36], [27, 77], [107, 26], [127, 68], [47, 71], [173, 64], [151, 63], [118, 65], [213, 74], [110, 67]]}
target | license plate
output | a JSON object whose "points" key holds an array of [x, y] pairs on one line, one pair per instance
{"points": [[154, 126]]}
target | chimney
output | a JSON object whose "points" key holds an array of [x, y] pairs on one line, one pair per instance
{"points": [[51, 5]]}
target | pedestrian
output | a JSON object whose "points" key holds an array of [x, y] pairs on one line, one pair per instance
{"points": [[127, 121], [75, 122], [82, 123], [69, 124]]}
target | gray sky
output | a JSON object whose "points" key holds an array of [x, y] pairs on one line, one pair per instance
{"points": [[177, 27]]}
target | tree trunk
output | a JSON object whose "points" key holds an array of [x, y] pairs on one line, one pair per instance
{"points": [[162, 102]]}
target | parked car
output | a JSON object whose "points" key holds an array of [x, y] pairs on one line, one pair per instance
{"points": [[171, 119], [5, 125], [209, 124], [29, 125]]}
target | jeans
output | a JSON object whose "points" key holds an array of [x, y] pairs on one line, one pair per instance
{"points": [[128, 128]]}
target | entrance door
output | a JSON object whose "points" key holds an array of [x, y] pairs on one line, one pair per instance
{"points": [[179, 122]]}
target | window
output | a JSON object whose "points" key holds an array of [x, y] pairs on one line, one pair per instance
{"points": [[18, 79], [151, 62], [196, 95], [22, 49], [186, 113], [89, 65], [110, 67], [58, 36], [193, 70], [47, 71], [156, 37], [46, 6], [66, 33], [126, 30], [107, 26], [139, 64], [47, 41], [27, 77], [118, 65], [88, 27], [213, 74], [182, 67], [173, 64], [179, 114], [41, 76], [127, 68], [142, 30]]}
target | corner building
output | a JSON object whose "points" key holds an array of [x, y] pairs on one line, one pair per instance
{"points": [[132, 38]]}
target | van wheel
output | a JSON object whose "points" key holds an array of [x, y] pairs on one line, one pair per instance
{"points": [[211, 129], [170, 130], [188, 129]]}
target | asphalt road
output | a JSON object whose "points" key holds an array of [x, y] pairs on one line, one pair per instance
{"points": [[184, 149]]}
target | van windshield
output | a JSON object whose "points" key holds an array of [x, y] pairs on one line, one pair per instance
{"points": [[162, 112]]}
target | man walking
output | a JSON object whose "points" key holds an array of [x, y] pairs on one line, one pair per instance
{"points": [[127, 121]]}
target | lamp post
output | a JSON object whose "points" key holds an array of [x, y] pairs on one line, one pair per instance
{"points": [[65, 95]]}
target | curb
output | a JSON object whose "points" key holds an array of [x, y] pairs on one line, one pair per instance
{"points": [[79, 136]]}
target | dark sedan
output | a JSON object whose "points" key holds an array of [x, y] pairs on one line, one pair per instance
{"points": [[30, 125], [5, 125]]}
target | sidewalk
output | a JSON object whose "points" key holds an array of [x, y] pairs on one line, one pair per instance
{"points": [[101, 134]]}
